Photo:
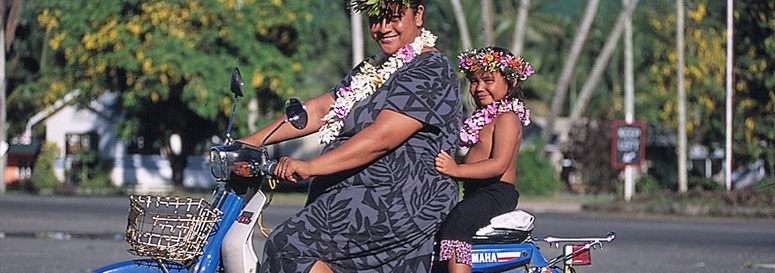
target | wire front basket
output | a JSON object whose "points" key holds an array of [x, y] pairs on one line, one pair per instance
{"points": [[169, 228]]}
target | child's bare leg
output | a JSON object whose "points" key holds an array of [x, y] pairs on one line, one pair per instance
{"points": [[454, 267]]}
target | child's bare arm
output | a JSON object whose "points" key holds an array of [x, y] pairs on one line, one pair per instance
{"points": [[446, 164], [506, 140]]}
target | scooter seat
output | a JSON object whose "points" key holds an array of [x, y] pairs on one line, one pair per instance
{"points": [[502, 236]]}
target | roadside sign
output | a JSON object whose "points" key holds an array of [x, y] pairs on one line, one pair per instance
{"points": [[628, 143]]}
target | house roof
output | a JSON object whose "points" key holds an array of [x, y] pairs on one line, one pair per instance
{"points": [[102, 106], [20, 149]]}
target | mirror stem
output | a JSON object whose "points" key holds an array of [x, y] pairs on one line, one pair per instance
{"points": [[273, 130], [231, 120]]}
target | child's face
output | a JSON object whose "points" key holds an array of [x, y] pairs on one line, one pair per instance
{"points": [[487, 87]]}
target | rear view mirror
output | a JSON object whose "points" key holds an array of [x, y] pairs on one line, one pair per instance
{"points": [[237, 85], [296, 113]]}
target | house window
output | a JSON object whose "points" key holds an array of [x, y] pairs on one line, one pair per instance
{"points": [[77, 143], [81, 154]]}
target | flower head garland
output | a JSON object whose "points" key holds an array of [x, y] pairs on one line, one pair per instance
{"points": [[378, 8], [367, 81], [469, 133], [490, 60]]}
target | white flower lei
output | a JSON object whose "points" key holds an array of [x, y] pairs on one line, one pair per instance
{"points": [[366, 82]]}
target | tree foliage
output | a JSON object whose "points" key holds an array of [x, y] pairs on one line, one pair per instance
{"points": [[754, 82], [170, 60], [705, 71]]}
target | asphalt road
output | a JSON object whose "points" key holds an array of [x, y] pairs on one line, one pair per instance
{"points": [[79, 234]]}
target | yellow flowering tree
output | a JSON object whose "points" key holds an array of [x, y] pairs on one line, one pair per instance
{"points": [[170, 61], [705, 72], [754, 82]]}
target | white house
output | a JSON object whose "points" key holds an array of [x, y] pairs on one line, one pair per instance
{"points": [[72, 127], [76, 126]]}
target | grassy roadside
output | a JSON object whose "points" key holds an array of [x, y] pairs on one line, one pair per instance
{"points": [[728, 204]]}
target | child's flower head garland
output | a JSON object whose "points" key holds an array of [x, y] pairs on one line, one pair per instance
{"points": [[367, 81], [490, 60], [469, 133], [377, 8]]}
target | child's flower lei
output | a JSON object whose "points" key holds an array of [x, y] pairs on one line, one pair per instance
{"points": [[491, 60], [367, 81], [469, 133]]}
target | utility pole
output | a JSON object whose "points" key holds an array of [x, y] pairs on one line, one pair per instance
{"points": [[730, 97], [683, 184], [629, 105]]}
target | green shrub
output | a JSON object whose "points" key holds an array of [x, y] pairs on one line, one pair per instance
{"points": [[647, 185], [97, 176], [535, 175], [705, 184], [43, 176]]}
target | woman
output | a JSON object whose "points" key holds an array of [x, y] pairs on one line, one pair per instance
{"points": [[376, 199]]}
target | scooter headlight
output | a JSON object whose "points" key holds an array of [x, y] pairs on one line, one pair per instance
{"points": [[220, 165], [223, 158]]}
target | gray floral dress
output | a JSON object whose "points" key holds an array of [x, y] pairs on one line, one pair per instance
{"points": [[381, 217]]}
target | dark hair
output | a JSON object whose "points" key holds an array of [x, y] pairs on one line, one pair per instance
{"points": [[413, 4], [515, 86]]}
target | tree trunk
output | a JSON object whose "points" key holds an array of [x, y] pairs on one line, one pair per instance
{"points": [[3, 128], [462, 26], [601, 62], [7, 27], [567, 71], [357, 36], [487, 23], [520, 27]]}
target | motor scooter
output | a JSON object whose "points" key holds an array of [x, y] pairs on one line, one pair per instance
{"points": [[178, 234]]}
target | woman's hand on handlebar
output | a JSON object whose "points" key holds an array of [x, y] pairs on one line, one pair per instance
{"points": [[291, 169]]}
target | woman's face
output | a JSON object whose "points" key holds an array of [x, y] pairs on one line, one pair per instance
{"points": [[487, 87], [397, 30]]}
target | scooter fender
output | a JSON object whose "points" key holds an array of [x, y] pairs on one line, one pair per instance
{"points": [[140, 266], [237, 250]]}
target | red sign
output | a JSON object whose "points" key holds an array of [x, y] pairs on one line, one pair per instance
{"points": [[628, 144]]}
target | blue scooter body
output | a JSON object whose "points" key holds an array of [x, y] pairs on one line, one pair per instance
{"points": [[207, 262], [502, 257]]}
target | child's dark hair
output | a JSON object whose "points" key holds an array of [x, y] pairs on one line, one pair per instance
{"points": [[515, 86]]}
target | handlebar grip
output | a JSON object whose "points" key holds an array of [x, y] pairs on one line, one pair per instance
{"points": [[268, 167]]}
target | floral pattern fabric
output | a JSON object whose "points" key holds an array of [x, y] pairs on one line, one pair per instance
{"points": [[381, 217], [460, 250]]}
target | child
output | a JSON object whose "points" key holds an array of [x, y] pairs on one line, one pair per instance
{"points": [[493, 134]]}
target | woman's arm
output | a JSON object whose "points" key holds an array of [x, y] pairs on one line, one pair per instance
{"points": [[316, 108], [507, 137], [389, 130]]}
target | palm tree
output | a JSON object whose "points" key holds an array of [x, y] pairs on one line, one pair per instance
{"points": [[461, 24], [7, 32], [602, 62], [567, 71], [519, 28], [357, 36], [487, 23]]}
